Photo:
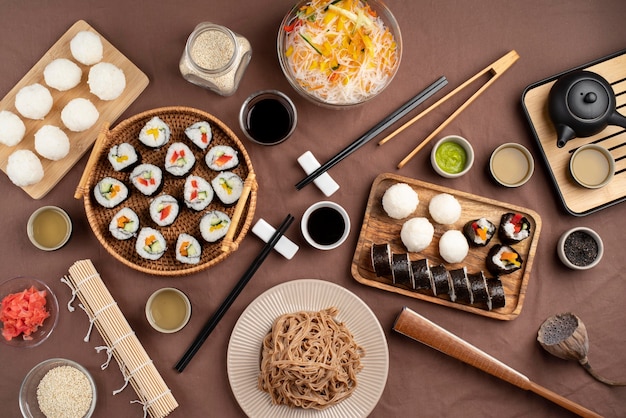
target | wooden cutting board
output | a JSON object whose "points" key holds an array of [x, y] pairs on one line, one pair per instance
{"points": [[378, 228], [80, 142]]}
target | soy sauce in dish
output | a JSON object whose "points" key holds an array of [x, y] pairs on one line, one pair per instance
{"points": [[326, 225], [269, 121]]}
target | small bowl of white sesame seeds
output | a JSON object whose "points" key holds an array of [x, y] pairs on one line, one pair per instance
{"points": [[58, 388]]}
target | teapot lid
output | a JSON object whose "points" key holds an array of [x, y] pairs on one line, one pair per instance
{"points": [[588, 99]]}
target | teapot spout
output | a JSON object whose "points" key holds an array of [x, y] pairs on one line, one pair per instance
{"points": [[564, 133]]}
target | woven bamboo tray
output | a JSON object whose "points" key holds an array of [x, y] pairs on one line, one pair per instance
{"points": [[98, 166]]}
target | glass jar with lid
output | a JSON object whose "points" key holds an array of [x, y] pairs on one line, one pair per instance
{"points": [[215, 58]]}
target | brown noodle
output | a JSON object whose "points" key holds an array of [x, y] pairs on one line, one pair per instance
{"points": [[309, 360]]}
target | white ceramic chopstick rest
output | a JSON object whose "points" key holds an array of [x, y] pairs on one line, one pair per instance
{"points": [[324, 182], [284, 246]]}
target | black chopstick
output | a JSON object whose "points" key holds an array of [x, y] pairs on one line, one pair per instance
{"points": [[219, 313], [373, 132]]}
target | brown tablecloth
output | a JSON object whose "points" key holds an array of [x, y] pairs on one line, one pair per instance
{"points": [[450, 38]]}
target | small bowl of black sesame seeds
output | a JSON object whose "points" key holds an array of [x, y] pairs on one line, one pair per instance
{"points": [[580, 248]]}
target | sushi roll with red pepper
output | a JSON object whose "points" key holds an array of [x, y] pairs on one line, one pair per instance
{"points": [[197, 192], [200, 134], [164, 210], [503, 259], [179, 159], [147, 178], [514, 227], [479, 232], [221, 157]]}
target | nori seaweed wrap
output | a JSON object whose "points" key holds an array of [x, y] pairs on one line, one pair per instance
{"points": [[514, 228], [503, 259]]}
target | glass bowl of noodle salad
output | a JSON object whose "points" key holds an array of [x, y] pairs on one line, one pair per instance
{"points": [[339, 53]]}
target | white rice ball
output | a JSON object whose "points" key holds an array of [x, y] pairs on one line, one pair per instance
{"points": [[79, 115], [86, 47], [24, 168], [453, 246], [444, 209], [12, 129], [33, 101], [51, 142], [400, 201], [62, 74], [416, 234], [106, 81]]}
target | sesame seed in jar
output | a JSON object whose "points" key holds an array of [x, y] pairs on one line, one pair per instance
{"points": [[212, 49], [64, 392]]}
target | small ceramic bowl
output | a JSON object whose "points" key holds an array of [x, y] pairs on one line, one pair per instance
{"points": [[592, 166], [168, 310], [29, 404], [265, 105], [511, 164], [452, 156], [325, 225], [580, 248], [49, 228]]}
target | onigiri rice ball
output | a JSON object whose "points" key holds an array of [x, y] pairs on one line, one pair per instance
{"points": [[51, 142], [24, 168], [62, 74], [106, 81], [79, 115], [444, 209], [400, 201], [417, 234], [33, 101], [86, 47], [12, 128], [453, 246]]}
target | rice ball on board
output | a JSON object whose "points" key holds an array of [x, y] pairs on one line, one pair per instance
{"points": [[444, 209], [400, 201], [62, 74], [453, 246], [417, 234], [24, 168], [86, 47], [79, 115], [12, 128], [51, 142], [106, 81], [33, 101]]}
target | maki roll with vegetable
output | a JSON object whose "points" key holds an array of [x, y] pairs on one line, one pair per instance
{"points": [[150, 244], [214, 225], [164, 210], [124, 224], [188, 250], [381, 259], [147, 178], [479, 232], [401, 270], [200, 134], [179, 159], [197, 193], [228, 187], [155, 133], [503, 259], [514, 227], [221, 157], [123, 156], [110, 192]]}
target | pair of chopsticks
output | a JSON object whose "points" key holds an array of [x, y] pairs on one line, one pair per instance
{"points": [[496, 69], [403, 110], [219, 313]]}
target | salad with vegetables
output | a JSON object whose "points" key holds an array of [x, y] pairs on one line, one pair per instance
{"points": [[340, 51]]}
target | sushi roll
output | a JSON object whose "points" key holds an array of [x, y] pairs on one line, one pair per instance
{"points": [[123, 156], [440, 284], [381, 259], [503, 259], [110, 192], [214, 225], [228, 187], [222, 157], [478, 288], [147, 178], [479, 232], [188, 250], [459, 286], [150, 244], [200, 134], [179, 159], [514, 228], [155, 133], [164, 210], [421, 274], [197, 193], [497, 297], [401, 272], [124, 224]]}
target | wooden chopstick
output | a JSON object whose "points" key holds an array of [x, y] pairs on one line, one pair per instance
{"points": [[496, 69], [374, 131], [219, 313]]}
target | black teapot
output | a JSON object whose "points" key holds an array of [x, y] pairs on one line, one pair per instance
{"points": [[582, 104]]}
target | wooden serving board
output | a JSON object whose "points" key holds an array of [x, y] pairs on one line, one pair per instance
{"points": [[378, 228], [80, 142], [580, 201]]}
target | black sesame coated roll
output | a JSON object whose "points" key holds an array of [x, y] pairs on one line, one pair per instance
{"points": [[514, 228]]}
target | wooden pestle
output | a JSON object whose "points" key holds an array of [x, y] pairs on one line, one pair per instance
{"points": [[415, 326]]}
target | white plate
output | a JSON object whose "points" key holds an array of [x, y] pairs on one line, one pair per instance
{"points": [[244, 348]]}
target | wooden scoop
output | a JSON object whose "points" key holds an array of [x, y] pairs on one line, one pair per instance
{"points": [[417, 327]]}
